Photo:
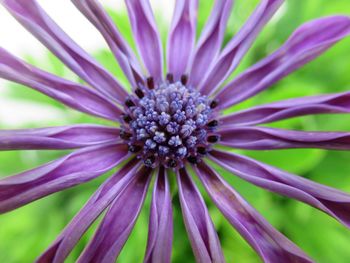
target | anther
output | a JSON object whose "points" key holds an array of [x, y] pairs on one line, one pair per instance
{"points": [[172, 163], [129, 103], [127, 118], [150, 83], [170, 77], [134, 148], [213, 138], [213, 104], [124, 135], [192, 159], [139, 93], [202, 150], [184, 79], [213, 123]]}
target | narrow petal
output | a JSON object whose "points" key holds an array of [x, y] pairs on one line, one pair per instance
{"points": [[103, 197], [160, 233], [262, 138], [75, 168], [270, 244], [182, 36], [147, 36], [204, 239], [36, 21], [210, 41], [63, 137], [120, 219], [235, 50], [128, 62], [69, 93], [332, 103], [308, 42], [327, 199]]}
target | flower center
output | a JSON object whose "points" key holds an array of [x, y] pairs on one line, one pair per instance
{"points": [[169, 123]]}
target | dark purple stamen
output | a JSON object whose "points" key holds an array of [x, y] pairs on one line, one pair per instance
{"points": [[139, 93], [129, 103], [127, 118], [202, 150], [213, 138], [213, 104], [213, 123], [193, 159], [170, 78], [184, 80], [150, 83]]}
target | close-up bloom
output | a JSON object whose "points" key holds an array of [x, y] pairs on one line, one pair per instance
{"points": [[172, 121]]}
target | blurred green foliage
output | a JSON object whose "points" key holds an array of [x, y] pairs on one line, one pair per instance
{"points": [[26, 232]]}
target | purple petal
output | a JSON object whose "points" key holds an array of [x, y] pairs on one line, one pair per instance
{"points": [[210, 41], [128, 62], [120, 219], [70, 170], [182, 36], [63, 137], [147, 36], [327, 199], [270, 244], [204, 239], [36, 21], [261, 138], [160, 233], [69, 93], [306, 43], [235, 50], [332, 103], [102, 198]]}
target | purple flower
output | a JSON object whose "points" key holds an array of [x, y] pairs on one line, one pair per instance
{"points": [[171, 121]]}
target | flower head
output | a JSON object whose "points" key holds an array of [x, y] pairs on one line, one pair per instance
{"points": [[160, 119], [171, 122]]}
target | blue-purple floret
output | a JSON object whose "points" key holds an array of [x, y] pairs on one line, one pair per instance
{"points": [[168, 123]]}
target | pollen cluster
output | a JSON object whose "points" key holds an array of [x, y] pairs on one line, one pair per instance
{"points": [[169, 123]]}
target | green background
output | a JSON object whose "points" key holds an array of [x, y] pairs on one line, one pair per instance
{"points": [[26, 232]]}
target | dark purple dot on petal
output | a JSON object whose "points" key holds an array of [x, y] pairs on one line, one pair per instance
{"points": [[129, 103], [213, 123], [139, 93], [127, 118], [170, 78], [150, 83], [192, 159], [202, 150], [184, 79], [213, 104], [213, 138]]}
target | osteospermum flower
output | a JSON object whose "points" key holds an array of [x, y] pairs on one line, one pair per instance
{"points": [[171, 121]]}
